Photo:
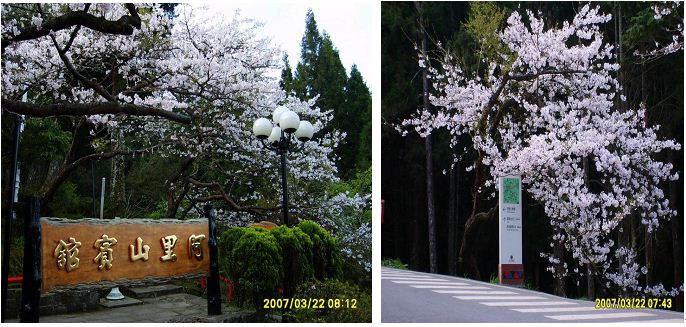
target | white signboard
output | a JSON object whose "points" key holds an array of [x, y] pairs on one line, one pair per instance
{"points": [[510, 219]]}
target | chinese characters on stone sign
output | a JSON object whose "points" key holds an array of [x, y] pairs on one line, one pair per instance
{"points": [[67, 254], [68, 260], [194, 247]]}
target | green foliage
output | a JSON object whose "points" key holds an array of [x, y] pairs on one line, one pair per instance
{"points": [[16, 255], [252, 258], [361, 184], [364, 151], [68, 203], [307, 67], [320, 72], [327, 259], [394, 263], [47, 140], [493, 279], [354, 117], [485, 22], [296, 247], [257, 258], [159, 212], [286, 82], [332, 292]]}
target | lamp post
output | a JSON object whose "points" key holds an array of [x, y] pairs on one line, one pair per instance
{"points": [[279, 140]]}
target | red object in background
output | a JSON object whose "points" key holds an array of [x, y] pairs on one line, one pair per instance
{"points": [[229, 286], [511, 274], [15, 279], [382, 205], [229, 292]]}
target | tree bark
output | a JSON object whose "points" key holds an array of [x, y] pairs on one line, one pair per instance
{"points": [[467, 251], [590, 280], [452, 221], [559, 252], [677, 244], [89, 109], [431, 219], [471, 226], [174, 202]]}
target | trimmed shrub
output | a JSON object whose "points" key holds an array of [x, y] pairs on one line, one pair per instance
{"points": [[261, 260], [296, 248], [326, 255], [252, 258]]}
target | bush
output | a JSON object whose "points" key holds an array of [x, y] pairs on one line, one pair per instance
{"points": [[257, 259], [296, 248], [326, 255], [394, 263], [330, 291], [252, 258]]}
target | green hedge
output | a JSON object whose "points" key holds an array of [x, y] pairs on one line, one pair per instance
{"points": [[254, 262], [327, 259], [257, 258]]}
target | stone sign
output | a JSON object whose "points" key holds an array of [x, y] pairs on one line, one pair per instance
{"points": [[93, 250], [510, 268]]}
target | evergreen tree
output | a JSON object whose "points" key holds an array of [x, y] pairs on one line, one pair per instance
{"points": [[286, 82], [307, 67], [320, 72], [357, 116]]}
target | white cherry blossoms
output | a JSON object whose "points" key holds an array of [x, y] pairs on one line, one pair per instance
{"points": [[539, 112]]}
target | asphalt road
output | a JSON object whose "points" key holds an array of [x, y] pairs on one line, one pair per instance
{"points": [[409, 296]]}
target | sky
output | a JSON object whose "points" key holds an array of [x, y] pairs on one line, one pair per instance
{"points": [[348, 23]]}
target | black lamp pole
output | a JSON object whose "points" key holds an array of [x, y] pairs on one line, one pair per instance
{"points": [[289, 125], [282, 148], [7, 228], [284, 183]]}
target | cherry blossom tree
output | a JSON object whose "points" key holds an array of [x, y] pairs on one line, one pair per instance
{"points": [[187, 86], [546, 111], [670, 14]]}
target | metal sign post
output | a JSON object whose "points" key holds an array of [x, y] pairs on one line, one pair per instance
{"points": [[510, 267], [9, 216], [214, 304], [33, 272]]}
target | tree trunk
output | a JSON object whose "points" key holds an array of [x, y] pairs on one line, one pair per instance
{"points": [[590, 280], [559, 252], [431, 219], [649, 256], [471, 226], [452, 223], [417, 250], [677, 257], [590, 290], [173, 201]]}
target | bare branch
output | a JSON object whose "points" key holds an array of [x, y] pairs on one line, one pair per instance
{"points": [[89, 109], [228, 199]]}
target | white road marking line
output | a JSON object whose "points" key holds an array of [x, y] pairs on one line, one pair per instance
{"points": [[417, 279], [566, 309], [417, 276], [652, 321], [517, 304], [451, 286], [601, 316], [475, 292], [499, 297], [426, 282]]}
